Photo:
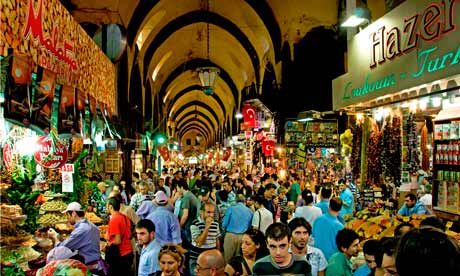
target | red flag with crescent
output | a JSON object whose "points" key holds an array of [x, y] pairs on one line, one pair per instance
{"points": [[164, 152], [268, 147], [249, 116]]}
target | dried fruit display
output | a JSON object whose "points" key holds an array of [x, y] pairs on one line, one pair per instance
{"points": [[374, 168], [391, 149], [52, 218], [355, 158], [53, 205], [93, 217], [412, 151]]}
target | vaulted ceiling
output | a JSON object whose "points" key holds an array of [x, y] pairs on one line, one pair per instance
{"points": [[167, 42]]}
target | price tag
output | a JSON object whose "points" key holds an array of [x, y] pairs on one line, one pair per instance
{"points": [[68, 168], [67, 182], [406, 219], [449, 224]]}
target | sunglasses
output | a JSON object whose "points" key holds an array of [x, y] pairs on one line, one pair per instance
{"points": [[171, 248]]}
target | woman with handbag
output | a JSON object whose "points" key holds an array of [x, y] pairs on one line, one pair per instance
{"points": [[119, 252]]}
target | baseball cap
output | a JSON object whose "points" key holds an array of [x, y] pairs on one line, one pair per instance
{"points": [[102, 184], [73, 206], [203, 191], [161, 197], [60, 253]]}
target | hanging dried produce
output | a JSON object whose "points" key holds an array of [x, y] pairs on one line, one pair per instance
{"points": [[424, 149], [386, 147], [396, 144], [355, 158], [364, 146], [374, 168], [391, 149], [413, 159]]}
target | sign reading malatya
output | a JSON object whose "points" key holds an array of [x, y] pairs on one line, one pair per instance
{"points": [[416, 43], [46, 31]]}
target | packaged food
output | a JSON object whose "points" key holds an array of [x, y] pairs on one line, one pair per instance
{"points": [[445, 131], [454, 131], [438, 132]]}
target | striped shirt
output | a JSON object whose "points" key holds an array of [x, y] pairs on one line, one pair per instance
{"points": [[297, 267], [196, 229]]}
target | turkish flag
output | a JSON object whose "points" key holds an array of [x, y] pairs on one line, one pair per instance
{"points": [[249, 116], [164, 152], [268, 147], [227, 154]]}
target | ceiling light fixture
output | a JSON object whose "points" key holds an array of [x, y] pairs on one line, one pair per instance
{"points": [[208, 75], [359, 17]]}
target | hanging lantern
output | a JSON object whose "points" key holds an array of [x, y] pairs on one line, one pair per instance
{"points": [[208, 77]]}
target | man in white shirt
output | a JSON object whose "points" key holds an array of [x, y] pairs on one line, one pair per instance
{"points": [[300, 234], [426, 198], [309, 212], [262, 217]]}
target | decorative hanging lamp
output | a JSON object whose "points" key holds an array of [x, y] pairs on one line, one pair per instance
{"points": [[208, 75]]}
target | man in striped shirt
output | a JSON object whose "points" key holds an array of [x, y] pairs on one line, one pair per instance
{"points": [[205, 234]]}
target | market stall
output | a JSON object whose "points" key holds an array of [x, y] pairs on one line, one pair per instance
{"points": [[402, 75], [54, 123]]}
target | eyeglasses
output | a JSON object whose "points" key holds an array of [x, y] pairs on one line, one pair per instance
{"points": [[169, 247], [199, 268]]}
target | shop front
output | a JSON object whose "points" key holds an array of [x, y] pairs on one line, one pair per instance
{"points": [[57, 93], [402, 87]]}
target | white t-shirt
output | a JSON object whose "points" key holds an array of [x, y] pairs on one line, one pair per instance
{"points": [[262, 218], [310, 213], [427, 199]]}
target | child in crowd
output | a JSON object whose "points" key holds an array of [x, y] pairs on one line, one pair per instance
{"points": [[282, 203]]}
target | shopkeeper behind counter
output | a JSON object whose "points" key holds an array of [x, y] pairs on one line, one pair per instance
{"points": [[84, 237], [413, 206]]}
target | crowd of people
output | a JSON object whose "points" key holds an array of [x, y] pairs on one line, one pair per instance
{"points": [[203, 221]]}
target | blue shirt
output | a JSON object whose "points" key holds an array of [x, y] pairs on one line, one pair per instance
{"points": [[324, 232], [167, 227], [148, 261], [147, 207], [84, 238], [363, 270], [418, 209], [347, 196], [237, 219], [323, 205]]}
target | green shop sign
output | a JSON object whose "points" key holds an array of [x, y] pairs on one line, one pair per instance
{"points": [[415, 44]]}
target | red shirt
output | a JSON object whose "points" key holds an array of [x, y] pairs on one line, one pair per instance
{"points": [[119, 225]]}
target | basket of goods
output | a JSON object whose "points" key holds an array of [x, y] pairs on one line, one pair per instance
{"points": [[11, 236], [52, 218], [93, 218], [50, 194], [103, 231], [12, 212], [53, 205]]}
